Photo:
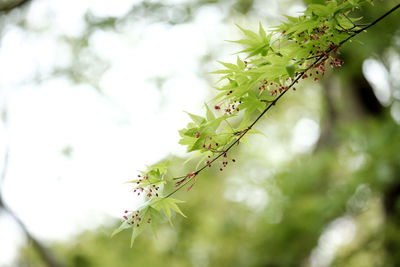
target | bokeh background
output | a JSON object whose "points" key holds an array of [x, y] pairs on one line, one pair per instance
{"points": [[92, 91]]}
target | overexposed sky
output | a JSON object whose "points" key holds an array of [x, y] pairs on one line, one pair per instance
{"points": [[111, 135]]}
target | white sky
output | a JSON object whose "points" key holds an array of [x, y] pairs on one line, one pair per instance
{"points": [[111, 136]]}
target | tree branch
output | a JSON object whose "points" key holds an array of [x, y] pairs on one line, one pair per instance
{"points": [[192, 175], [43, 252], [10, 5]]}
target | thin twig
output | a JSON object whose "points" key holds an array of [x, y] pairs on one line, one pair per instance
{"points": [[321, 57], [45, 254], [354, 25], [5, 8], [378, 19]]}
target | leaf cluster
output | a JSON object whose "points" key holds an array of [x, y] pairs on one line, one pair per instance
{"points": [[271, 64]]}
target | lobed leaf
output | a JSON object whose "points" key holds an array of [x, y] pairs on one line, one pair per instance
{"points": [[166, 205]]}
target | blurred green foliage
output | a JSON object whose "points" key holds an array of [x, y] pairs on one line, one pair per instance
{"points": [[347, 181]]}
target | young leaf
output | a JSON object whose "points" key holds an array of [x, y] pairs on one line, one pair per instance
{"points": [[209, 115], [197, 119], [124, 225], [261, 32], [249, 34], [319, 10], [166, 205], [140, 226], [290, 70], [155, 216]]}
